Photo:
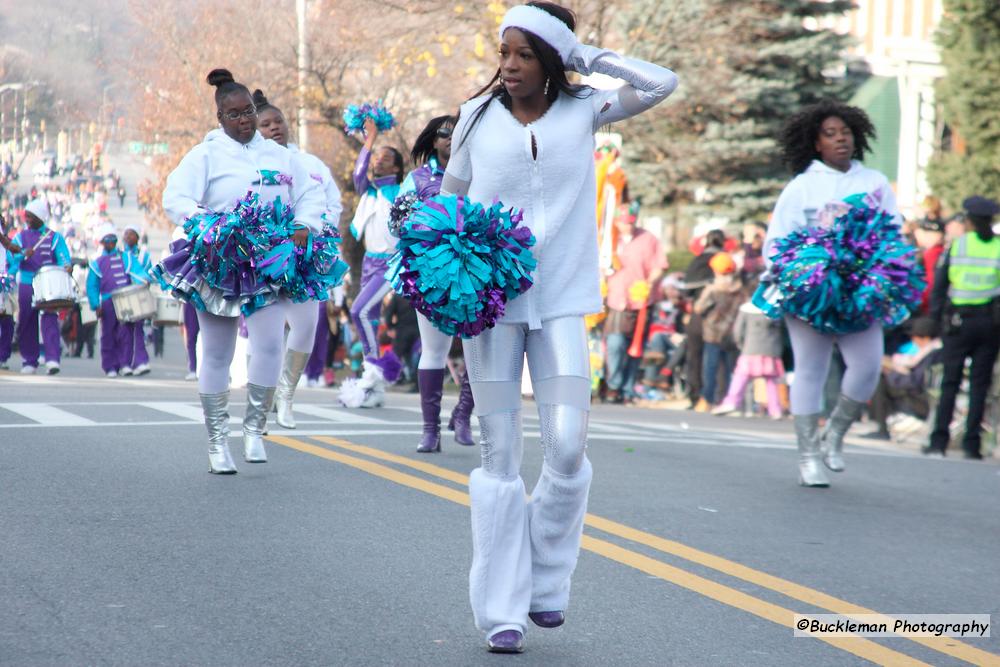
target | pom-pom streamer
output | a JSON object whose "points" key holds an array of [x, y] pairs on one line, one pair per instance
{"points": [[459, 262], [355, 116], [844, 277]]}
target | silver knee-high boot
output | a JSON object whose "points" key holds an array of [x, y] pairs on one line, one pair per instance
{"points": [[846, 412], [259, 401], [295, 363], [216, 410], [811, 471]]}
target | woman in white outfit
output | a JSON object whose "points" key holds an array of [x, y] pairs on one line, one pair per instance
{"points": [[528, 139], [823, 144], [214, 175], [302, 317]]}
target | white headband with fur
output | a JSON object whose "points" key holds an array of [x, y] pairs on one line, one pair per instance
{"points": [[539, 22]]}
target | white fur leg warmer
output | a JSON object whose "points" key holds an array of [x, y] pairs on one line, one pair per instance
{"points": [[500, 578], [556, 512]]}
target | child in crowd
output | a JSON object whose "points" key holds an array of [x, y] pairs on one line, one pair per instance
{"points": [[759, 340]]}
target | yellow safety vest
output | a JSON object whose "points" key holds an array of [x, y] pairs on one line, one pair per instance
{"points": [[974, 270]]}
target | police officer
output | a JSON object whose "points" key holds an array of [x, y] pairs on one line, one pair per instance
{"points": [[966, 300]]}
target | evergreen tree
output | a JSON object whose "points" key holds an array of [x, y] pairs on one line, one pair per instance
{"points": [[969, 38], [744, 68]]}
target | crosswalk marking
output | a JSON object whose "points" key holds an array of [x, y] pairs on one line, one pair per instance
{"points": [[48, 414], [185, 410], [339, 416]]}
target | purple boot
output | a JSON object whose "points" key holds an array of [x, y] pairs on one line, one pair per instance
{"points": [[506, 641], [431, 382], [459, 422]]}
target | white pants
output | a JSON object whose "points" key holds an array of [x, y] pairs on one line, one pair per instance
{"points": [[862, 352], [266, 329], [302, 323], [524, 553]]}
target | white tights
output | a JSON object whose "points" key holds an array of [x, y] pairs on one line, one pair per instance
{"points": [[434, 345], [302, 323], [266, 328], [862, 352]]}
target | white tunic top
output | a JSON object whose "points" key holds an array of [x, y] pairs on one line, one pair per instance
{"points": [[820, 188], [556, 189], [219, 171]]}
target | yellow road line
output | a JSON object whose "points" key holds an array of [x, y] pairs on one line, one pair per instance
{"points": [[947, 645], [863, 648]]}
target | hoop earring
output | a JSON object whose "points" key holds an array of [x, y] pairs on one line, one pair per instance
{"points": [[547, 87], [500, 76]]}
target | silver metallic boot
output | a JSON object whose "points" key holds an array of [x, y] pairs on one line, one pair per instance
{"points": [[846, 412], [259, 401], [216, 410], [295, 363], [811, 471]]}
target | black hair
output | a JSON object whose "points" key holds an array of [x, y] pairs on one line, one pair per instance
{"points": [[423, 147], [548, 58], [798, 136], [716, 238], [983, 226], [224, 84], [260, 101]]}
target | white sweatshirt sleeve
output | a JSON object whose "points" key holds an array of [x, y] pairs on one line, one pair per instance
{"points": [[309, 199], [186, 186], [458, 175], [334, 206], [646, 84], [789, 215]]}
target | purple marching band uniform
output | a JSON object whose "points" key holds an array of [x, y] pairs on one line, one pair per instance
{"points": [[139, 361], [114, 270], [7, 284], [371, 224], [51, 250], [317, 359]]}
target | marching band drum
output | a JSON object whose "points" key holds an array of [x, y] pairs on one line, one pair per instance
{"points": [[133, 303], [54, 289]]}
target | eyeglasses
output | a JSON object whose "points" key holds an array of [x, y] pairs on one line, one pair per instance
{"points": [[444, 132], [249, 112]]}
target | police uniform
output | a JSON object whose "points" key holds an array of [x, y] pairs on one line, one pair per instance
{"points": [[965, 300]]}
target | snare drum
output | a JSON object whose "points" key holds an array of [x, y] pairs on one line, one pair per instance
{"points": [[87, 314], [8, 303], [168, 311], [133, 303], [54, 289]]}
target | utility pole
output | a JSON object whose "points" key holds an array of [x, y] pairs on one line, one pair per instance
{"points": [[300, 8]]}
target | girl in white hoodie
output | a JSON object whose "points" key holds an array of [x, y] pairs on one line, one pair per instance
{"points": [[823, 144], [232, 161], [303, 318]]}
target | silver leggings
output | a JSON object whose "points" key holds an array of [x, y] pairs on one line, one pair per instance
{"points": [[559, 363], [862, 352]]}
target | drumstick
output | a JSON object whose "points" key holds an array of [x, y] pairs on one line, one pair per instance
{"points": [[44, 236]]}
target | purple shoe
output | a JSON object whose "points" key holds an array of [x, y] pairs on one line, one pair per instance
{"points": [[547, 619], [507, 641]]}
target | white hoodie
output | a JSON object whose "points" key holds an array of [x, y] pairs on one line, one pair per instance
{"points": [[219, 171], [320, 173], [804, 199]]}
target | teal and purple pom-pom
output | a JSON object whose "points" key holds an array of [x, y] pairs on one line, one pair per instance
{"points": [[218, 252], [356, 114], [844, 277], [7, 284], [459, 262], [401, 210], [303, 273]]}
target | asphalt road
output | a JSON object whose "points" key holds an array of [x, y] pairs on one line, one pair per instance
{"points": [[348, 548]]}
